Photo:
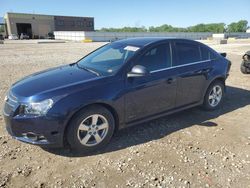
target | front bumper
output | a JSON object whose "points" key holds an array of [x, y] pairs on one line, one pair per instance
{"points": [[46, 131], [42, 131]]}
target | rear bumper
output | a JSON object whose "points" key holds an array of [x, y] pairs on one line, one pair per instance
{"points": [[42, 131]]}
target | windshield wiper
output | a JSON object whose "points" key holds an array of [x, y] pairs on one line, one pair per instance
{"points": [[87, 69]]}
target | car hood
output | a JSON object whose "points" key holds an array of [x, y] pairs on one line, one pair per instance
{"points": [[51, 79]]}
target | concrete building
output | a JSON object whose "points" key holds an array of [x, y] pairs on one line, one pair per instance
{"points": [[38, 26]]}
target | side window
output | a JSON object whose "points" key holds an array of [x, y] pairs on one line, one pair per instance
{"points": [[186, 53], [156, 58], [207, 54]]}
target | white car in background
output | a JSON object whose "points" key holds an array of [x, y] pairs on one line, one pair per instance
{"points": [[24, 36], [13, 37]]}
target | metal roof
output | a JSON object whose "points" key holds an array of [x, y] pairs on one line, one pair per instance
{"points": [[142, 41]]}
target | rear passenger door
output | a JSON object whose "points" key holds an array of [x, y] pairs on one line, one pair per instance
{"points": [[192, 72]]}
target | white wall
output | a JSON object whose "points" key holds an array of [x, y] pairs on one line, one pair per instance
{"points": [[110, 36]]}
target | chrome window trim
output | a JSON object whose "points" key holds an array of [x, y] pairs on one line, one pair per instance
{"points": [[171, 55], [197, 62]]}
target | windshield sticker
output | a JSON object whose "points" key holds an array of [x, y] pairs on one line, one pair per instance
{"points": [[131, 48]]}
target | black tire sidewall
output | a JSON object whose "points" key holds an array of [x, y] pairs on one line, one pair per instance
{"points": [[244, 69], [206, 104], [78, 118]]}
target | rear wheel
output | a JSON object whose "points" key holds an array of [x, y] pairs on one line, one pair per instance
{"points": [[91, 129], [214, 96]]}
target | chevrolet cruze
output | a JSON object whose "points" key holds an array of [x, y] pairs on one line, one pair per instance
{"points": [[120, 84]]}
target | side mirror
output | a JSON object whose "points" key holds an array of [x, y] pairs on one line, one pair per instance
{"points": [[138, 71]]}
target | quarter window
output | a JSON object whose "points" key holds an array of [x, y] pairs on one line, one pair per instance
{"points": [[213, 55], [207, 54], [156, 58], [186, 53]]}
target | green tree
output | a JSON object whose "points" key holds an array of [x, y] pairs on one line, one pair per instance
{"points": [[166, 28], [213, 27], [240, 26], [125, 29]]}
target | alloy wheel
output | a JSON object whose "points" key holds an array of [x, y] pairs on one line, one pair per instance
{"points": [[92, 130], [215, 96]]}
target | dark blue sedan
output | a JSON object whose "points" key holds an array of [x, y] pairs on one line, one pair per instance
{"points": [[120, 84]]}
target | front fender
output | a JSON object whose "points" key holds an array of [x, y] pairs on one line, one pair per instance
{"points": [[108, 94]]}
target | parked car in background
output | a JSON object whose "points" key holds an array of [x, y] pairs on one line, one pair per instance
{"points": [[118, 85], [51, 36], [245, 65], [13, 37], [24, 36]]}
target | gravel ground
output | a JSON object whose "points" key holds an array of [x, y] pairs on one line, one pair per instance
{"points": [[192, 148]]}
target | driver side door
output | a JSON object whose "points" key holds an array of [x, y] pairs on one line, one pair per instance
{"points": [[154, 93]]}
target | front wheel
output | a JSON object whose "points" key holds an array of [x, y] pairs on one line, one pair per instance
{"points": [[91, 129], [214, 96]]}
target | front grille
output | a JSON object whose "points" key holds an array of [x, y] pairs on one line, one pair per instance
{"points": [[11, 103]]}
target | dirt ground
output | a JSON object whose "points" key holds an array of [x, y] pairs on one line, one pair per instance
{"points": [[193, 148]]}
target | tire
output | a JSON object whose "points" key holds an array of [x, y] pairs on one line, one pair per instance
{"points": [[90, 129], [218, 98], [244, 69]]}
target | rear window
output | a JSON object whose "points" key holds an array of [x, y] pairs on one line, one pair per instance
{"points": [[187, 53]]}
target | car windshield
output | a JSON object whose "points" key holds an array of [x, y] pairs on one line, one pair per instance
{"points": [[108, 59]]}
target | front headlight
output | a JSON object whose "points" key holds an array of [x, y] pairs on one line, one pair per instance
{"points": [[38, 108]]}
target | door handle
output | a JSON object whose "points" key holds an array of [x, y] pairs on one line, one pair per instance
{"points": [[203, 71], [170, 80], [198, 72], [206, 70]]}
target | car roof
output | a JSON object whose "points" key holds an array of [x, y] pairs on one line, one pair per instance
{"points": [[142, 41]]}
